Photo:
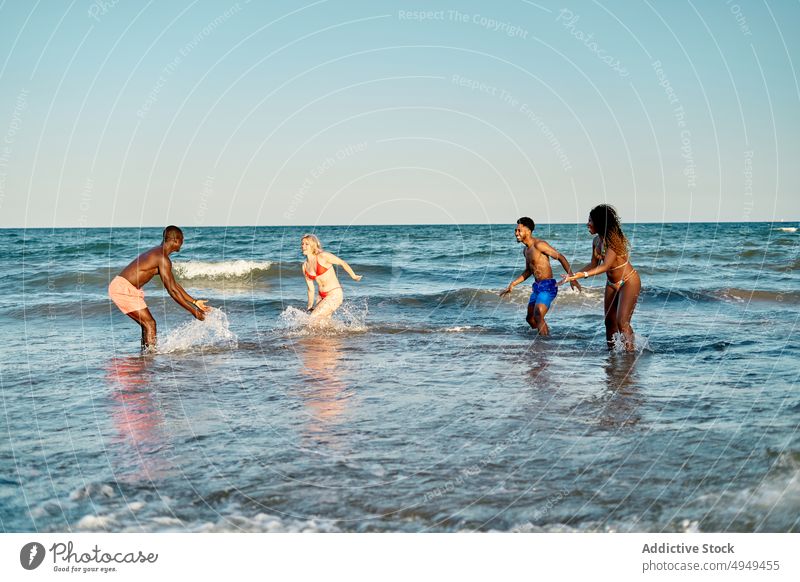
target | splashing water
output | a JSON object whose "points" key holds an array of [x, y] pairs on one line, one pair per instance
{"points": [[213, 332], [640, 344], [349, 318]]}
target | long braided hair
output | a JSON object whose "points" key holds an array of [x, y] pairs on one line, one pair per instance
{"points": [[607, 225]]}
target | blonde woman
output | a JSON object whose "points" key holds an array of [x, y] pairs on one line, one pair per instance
{"points": [[318, 268]]}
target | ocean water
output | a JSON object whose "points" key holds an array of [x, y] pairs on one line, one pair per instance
{"points": [[427, 405]]}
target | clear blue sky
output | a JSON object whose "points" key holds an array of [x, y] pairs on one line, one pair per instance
{"points": [[236, 113]]}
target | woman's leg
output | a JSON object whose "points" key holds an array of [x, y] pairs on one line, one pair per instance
{"points": [[327, 306], [628, 295], [610, 306]]}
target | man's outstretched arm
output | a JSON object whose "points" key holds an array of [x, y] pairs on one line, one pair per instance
{"points": [[178, 293], [525, 274]]}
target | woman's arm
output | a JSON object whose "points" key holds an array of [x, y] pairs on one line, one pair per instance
{"points": [[593, 263], [310, 285], [591, 271], [548, 250], [334, 260]]}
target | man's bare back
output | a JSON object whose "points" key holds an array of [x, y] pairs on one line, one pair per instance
{"points": [[146, 266]]}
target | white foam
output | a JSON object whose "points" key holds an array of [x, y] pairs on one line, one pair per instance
{"points": [[213, 332], [640, 343], [95, 522], [776, 495], [265, 523], [348, 318], [168, 521], [588, 295], [628, 526], [690, 526], [787, 228], [220, 270], [91, 490], [546, 528], [779, 490]]}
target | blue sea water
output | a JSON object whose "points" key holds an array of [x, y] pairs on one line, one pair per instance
{"points": [[429, 405]]}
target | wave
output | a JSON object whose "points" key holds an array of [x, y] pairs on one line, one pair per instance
{"points": [[249, 272], [468, 296], [395, 328], [117, 506], [747, 295], [787, 228], [54, 277], [769, 505], [226, 270], [727, 294], [634, 525], [152, 516]]}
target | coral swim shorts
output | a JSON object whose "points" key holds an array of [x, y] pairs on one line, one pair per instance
{"points": [[125, 296]]}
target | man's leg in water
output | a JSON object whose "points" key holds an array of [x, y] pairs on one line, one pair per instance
{"points": [[145, 319], [531, 317], [611, 302], [536, 320]]}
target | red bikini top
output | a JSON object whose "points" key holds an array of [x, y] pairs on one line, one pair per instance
{"points": [[320, 271]]}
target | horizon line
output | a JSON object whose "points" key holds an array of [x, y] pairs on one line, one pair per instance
{"points": [[780, 221]]}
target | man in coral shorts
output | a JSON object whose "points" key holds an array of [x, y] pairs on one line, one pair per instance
{"points": [[126, 288]]}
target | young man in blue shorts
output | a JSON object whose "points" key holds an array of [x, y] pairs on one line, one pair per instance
{"points": [[537, 255]]}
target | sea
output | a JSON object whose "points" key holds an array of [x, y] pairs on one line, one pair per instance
{"points": [[426, 405]]}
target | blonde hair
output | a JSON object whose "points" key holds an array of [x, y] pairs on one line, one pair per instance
{"points": [[315, 239]]}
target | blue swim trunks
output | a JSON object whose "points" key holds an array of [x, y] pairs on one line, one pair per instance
{"points": [[544, 292]]}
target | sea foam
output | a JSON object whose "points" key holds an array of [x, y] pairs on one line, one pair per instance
{"points": [[348, 318], [213, 332], [236, 269], [640, 343]]}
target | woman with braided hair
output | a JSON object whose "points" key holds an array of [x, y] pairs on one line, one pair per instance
{"points": [[610, 255]]}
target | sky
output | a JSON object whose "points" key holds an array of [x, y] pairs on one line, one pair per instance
{"points": [[131, 113]]}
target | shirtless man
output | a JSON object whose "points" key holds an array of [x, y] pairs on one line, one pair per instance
{"points": [[126, 288], [537, 255]]}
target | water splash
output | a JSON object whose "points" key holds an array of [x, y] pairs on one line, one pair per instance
{"points": [[349, 318], [213, 332], [640, 344], [458, 328]]}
